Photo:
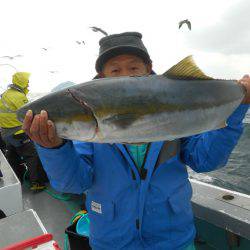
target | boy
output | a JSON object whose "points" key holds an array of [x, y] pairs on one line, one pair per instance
{"points": [[138, 196]]}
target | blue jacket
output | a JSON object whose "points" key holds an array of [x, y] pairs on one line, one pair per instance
{"points": [[147, 210]]}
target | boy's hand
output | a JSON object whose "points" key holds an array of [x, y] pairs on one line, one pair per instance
{"points": [[41, 130], [246, 82]]}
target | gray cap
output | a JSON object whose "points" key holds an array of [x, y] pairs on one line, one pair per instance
{"points": [[118, 44]]}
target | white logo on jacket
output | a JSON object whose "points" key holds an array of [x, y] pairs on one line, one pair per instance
{"points": [[97, 207]]}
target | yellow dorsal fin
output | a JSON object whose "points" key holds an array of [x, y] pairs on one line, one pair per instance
{"points": [[186, 69]]}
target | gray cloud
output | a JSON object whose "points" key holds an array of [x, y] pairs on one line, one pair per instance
{"points": [[230, 36]]}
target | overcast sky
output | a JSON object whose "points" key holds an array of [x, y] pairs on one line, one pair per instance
{"points": [[219, 39]]}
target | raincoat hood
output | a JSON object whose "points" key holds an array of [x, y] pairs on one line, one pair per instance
{"points": [[21, 79]]}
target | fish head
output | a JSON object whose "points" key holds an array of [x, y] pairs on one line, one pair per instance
{"points": [[71, 115]]}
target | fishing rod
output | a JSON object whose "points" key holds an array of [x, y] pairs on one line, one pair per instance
{"points": [[6, 64]]}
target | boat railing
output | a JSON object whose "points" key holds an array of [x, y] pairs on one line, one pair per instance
{"points": [[221, 207]]}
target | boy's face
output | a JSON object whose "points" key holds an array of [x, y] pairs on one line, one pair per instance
{"points": [[125, 65]]}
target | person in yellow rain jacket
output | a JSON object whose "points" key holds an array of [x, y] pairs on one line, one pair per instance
{"points": [[19, 146]]}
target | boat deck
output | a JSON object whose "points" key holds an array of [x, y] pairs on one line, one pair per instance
{"points": [[54, 214]]}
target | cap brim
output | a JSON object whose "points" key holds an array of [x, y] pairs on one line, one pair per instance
{"points": [[120, 50]]}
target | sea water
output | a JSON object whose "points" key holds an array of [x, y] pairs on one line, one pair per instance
{"points": [[236, 174]]}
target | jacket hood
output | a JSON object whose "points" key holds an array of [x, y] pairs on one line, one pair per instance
{"points": [[21, 79]]}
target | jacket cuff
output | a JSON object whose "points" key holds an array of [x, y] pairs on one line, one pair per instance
{"points": [[60, 150], [238, 115]]}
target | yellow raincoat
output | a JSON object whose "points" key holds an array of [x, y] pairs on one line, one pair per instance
{"points": [[12, 99]]}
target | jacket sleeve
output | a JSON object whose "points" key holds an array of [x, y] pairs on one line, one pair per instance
{"points": [[69, 168], [211, 150]]}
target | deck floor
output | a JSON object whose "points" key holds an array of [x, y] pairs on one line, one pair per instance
{"points": [[54, 214]]}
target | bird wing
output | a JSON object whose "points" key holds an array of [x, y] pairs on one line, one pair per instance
{"points": [[180, 24], [6, 57], [103, 32], [187, 22], [96, 29]]}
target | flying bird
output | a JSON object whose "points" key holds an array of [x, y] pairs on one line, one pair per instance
{"points": [[96, 29], [46, 49], [80, 42], [11, 57], [187, 22]]}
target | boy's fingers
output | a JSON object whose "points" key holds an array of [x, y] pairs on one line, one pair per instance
{"points": [[245, 79], [51, 131], [34, 129], [27, 121], [43, 128], [53, 137]]}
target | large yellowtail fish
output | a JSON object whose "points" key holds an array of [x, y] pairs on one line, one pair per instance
{"points": [[181, 102]]}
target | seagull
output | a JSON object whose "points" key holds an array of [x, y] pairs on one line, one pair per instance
{"points": [[96, 29], [46, 49], [187, 22], [80, 42], [11, 57]]}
